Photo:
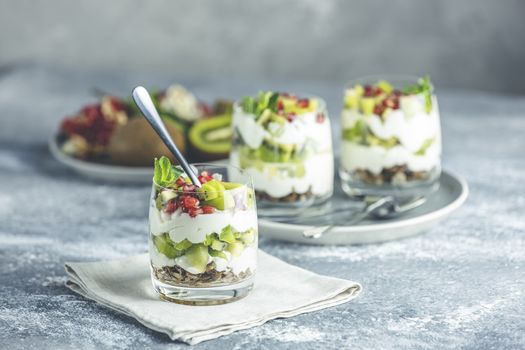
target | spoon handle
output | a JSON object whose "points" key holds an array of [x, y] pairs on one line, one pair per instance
{"points": [[145, 104]]}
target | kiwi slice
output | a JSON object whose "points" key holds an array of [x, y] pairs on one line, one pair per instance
{"points": [[197, 256], [164, 246], [211, 138]]}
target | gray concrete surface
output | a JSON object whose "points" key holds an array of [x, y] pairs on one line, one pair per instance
{"points": [[461, 286], [466, 44]]}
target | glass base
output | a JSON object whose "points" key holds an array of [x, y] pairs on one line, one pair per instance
{"points": [[355, 188], [205, 295], [269, 208]]}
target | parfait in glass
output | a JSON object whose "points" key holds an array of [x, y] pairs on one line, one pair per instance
{"points": [[203, 241], [391, 137], [284, 143]]}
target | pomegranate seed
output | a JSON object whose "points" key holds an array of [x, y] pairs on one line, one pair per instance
{"points": [[194, 212], [389, 102], [188, 188], [280, 105], [207, 209], [291, 117], [190, 202], [202, 179], [319, 118], [303, 103], [368, 91], [171, 206], [180, 182], [379, 109]]}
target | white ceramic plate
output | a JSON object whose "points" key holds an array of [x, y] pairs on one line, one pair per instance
{"points": [[113, 173], [452, 193]]}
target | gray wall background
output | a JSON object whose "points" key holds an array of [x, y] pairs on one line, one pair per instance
{"points": [[466, 44]]}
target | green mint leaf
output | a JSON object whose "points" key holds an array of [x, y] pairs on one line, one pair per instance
{"points": [[272, 101], [157, 172]]}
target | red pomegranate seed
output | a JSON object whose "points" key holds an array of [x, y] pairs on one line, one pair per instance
{"points": [[280, 105], [171, 206], [190, 202], [379, 110], [194, 212], [207, 209], [180, 182], [368, 91], [303, 103], [291, 117], [188, 188]]}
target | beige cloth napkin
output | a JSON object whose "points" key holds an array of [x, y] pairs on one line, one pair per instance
{"points": [[281, 290]]}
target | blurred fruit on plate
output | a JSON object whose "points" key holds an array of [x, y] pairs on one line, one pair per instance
{"points": [[114, 132]]}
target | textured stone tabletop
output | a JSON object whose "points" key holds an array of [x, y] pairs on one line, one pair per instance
{"points": [[460, 286]]}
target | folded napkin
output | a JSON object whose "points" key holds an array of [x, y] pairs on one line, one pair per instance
{"points": [[280, 290]]}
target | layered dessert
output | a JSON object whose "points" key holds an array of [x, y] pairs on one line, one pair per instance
{"points": [[284, 143], [201, 237], [391, 134]]}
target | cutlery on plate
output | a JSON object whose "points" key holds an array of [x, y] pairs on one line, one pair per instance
{"points": [[381, 208]]}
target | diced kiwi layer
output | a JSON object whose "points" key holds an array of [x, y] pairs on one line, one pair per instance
{"points": [[250, 158], [214, 245], [361, 134]]}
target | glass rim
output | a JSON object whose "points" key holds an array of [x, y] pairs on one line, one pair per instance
{"points": [[248, 178], [320, 108], [391, 78]]}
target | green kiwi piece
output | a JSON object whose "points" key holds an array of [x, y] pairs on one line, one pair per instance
{"points": [[210, 138]]}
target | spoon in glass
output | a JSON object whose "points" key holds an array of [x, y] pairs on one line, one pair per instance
{"points": [[143, 100]]}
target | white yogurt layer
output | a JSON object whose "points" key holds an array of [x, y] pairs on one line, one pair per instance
{"points": [[318, 176], [375, 158], [181, 226]]}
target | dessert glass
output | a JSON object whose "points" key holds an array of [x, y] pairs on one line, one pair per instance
{"points": [[203, 241], [391, 138], [286, 147]]}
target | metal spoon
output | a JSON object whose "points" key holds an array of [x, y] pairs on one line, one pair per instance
{"points": [[143, 100], [382, 208]]}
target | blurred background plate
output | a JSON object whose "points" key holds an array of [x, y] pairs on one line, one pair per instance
{"points": [[98, 171], [452, 193]]}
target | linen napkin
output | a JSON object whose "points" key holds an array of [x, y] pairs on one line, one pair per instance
{"points": [[280, 290]]}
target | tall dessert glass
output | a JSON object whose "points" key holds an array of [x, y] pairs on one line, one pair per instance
{"points": [[391, 137], [284, 143], [203, 241]]}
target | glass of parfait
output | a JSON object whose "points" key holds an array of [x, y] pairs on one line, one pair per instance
{"points": [[391, 139], [202, 241], [284, 143]]}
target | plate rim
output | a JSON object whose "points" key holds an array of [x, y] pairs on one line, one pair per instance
{"points": [[433, 215]]}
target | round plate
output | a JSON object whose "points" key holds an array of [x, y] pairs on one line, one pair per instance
{"points": [[453, 191], [114, 173]]}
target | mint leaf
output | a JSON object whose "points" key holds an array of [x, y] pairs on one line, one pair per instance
{"points": [[424, 87], [272, 102], [164, 173]]}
